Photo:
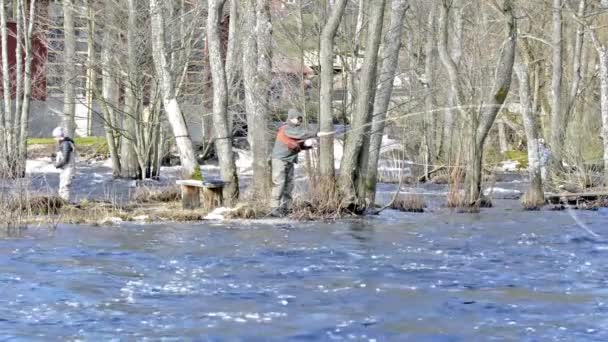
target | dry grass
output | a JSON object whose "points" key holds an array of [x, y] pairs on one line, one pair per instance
{"points": [[37, 205], [411, 203], [248, 211], [323, 202], [156, 195], [455, 197]]}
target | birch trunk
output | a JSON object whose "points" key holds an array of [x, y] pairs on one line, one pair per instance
{"points": [[535, 195], [602, 51], [326, 53], [172, 109], [557, 118], [390, 65], [69, 74], [354, 162], [223, 138], [500, 90], [604, 106]]}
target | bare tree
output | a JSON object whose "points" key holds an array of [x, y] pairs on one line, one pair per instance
{"points": [[602, 51], [498, 95], [6, 79], [354, 162], [390, 63], [167, 86], [223, 138], [257, 72], [557, 117], [428, 142], [326, 159], [130, 167], [109, 102], [535, 195], [479, 127]]}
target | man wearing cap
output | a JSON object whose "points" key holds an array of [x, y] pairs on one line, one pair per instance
{"points": [[66, 161], [291, 139]]}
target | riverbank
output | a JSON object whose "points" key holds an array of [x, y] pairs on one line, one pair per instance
{"points": [[102, 200]]}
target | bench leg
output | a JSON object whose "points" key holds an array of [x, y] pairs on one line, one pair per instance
{"points": [[191, 197]]}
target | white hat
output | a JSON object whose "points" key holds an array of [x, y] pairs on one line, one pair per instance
{"points": [[58, 132]]}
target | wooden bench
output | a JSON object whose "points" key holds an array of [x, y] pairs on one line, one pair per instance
{"points": [[191, 193]]}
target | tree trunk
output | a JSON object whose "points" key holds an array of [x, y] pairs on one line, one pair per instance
{"points": [[7, 105], [500, 90], [91, 76], [109, 102], [577, 68], [261, 139], [604, 106], [535, 195], [69, 73], [502, 137], [130, 167], [354, 162], [557, 117], [326, 53], [232, 60], [602, 51], [257, 66], [27, 85], [450, 65], [390, 63], [172, 109], [429, 131], [450, 116], [223, 138]]}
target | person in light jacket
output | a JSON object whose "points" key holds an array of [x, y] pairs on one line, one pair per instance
{"points": [[65, 161]]}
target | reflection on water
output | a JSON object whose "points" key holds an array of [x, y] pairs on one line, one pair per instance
{"points": [[497, 276]]}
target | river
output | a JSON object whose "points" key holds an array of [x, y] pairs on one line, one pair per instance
{"points": [[500, 275]]}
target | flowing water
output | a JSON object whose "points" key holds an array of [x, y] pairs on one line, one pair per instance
{"points": [[500, 275]]}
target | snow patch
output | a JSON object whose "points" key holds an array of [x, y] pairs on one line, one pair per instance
{"points": [[496, 190], [218, 213], [508, 165], [42, 165]]}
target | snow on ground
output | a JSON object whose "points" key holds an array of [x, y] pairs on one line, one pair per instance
{"points": [[508, 166], [41, 165]]}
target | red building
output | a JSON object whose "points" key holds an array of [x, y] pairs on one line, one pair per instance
{"points": [[39, 58]]}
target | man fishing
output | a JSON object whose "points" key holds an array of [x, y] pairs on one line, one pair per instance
{"points": [[66, 161], [292, 138]]}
